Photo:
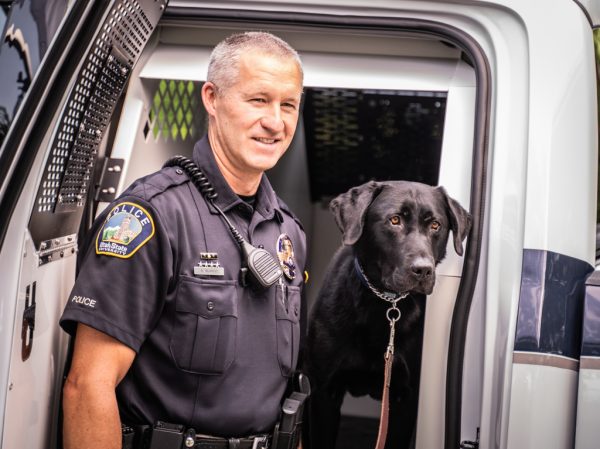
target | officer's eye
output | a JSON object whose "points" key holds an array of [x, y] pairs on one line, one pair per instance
{"points": [[435, 226], [395, 220]]}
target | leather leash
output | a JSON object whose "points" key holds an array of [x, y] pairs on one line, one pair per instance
{"points": [[393, 314]]}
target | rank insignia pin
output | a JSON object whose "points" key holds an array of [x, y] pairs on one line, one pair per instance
{"points": [[209, 265], [285, 254]]}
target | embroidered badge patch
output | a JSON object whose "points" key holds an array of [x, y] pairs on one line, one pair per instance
{"points": [[127, 228], [285, 254]]}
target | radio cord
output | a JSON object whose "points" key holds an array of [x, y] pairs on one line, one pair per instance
{"points": [[259, 261]]}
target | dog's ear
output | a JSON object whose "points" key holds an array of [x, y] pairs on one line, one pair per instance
{"points": [[460, 221], [349, 209]]}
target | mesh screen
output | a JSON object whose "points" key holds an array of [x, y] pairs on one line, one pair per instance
{"points": [[89, 107], [176, 112], [357, 135]]}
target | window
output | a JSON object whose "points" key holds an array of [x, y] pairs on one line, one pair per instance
{"points": [[357, 135], [28, 28]]}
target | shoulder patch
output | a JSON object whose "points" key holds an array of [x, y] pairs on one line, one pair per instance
{"points": [[127, 228]]}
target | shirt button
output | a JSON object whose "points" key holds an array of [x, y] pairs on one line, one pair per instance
{"points": [[296, 310], [261, 246], [179, 171], [210, 305]]}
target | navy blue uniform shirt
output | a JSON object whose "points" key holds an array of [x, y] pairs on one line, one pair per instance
{"points": [[211, 354]]}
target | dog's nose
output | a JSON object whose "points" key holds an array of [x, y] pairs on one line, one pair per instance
{"points": [[421, 269]]}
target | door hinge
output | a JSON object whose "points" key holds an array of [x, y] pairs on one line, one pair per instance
{"points": [[109, 179]]}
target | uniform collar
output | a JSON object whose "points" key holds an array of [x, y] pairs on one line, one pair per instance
{"points": [[266, 200]]}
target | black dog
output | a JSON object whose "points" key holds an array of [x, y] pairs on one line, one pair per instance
{"points": [[394, 234]]}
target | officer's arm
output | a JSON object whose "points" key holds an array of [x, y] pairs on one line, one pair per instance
{"points": [[91, 415]]}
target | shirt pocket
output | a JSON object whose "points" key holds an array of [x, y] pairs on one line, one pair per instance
{"points": [[287, 313], [203, 339]]}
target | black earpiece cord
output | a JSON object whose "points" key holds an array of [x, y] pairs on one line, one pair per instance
{"points": [[259, 261]]}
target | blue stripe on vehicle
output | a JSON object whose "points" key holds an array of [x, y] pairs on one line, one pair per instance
{"points": [[590, 345], [551, 303]]}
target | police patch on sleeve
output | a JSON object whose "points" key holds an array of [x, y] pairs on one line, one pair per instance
{"points": [[128, 227]]}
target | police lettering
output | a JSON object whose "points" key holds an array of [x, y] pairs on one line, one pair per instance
{"points": [[128, 208], [85, 301]]}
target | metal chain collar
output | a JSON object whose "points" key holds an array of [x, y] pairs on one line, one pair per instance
{"points": [[392, 297]]}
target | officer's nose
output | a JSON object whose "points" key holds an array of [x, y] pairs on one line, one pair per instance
{"points": [[272, 120]]}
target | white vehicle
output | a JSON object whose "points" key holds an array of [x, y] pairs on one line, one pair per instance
{"points": [[496, 100]]}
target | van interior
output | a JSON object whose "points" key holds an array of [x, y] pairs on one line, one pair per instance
{"points": [[377, 105]]}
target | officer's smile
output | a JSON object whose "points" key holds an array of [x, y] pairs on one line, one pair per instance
{"points": [[266, 140]]}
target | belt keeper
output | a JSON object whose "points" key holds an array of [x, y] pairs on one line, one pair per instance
{"points": [[127, 437]]}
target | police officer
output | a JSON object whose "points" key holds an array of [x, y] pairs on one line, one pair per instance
{"points": [[168, 324]]}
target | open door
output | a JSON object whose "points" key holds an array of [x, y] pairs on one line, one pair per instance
{"points": [[57, 131], [380, 105]]}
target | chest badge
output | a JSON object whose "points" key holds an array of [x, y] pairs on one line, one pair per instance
{"points": [[285, 254], [209, 265]]}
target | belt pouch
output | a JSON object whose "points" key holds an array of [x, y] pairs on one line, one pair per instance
{"points": [[166, 436]]}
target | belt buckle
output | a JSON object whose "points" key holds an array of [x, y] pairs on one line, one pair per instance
{"points": [[259, 440]]}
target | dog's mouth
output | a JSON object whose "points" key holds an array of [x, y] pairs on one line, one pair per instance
{"points": [[399, 281], [425, 287]]}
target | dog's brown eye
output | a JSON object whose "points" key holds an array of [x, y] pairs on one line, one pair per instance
{"points": [[395, 220], [435, 225]]}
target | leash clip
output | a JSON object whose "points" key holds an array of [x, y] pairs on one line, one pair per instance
{"points": [[393, 314]]}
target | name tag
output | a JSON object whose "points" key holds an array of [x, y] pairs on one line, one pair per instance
{"points": [[204, 270]]}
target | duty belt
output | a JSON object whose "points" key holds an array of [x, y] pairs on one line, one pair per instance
{"points": [[257, 442], [173, 436]]}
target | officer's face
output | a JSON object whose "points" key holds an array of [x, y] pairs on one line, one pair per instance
{"points": [[253, 121]]}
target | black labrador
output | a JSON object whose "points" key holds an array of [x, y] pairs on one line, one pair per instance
{"points": [[394, 235]]}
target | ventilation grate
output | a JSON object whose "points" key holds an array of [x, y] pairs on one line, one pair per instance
{"points": [[357, 135], [77, 176], [88, 110]]}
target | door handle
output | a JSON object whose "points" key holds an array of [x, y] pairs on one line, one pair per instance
{"points": [[28, 322]]}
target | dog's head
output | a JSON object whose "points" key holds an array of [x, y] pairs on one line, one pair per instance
{"points": [[399, 231]]}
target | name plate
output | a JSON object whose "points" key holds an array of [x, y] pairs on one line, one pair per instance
{"points": [[205, 270]]}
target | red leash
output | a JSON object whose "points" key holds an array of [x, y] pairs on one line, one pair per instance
{"points": [[389, 359]]}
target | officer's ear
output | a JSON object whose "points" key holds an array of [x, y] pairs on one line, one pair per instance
{"points": [[209, 97], [349, 209]]}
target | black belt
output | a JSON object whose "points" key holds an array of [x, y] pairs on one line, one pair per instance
{"points": [[258, 442], [169, 436]]}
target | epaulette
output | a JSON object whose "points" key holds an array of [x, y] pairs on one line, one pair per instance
{"points": [[284, 207], [158, 182]]}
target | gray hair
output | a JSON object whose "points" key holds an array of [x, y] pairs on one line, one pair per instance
{"points": [[223, 66]]}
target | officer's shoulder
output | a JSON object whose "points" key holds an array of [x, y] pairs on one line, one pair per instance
{"points": [[157, 183], [287, 211]]}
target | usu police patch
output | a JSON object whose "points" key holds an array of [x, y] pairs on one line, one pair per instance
{"points": [[127, 228]]}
